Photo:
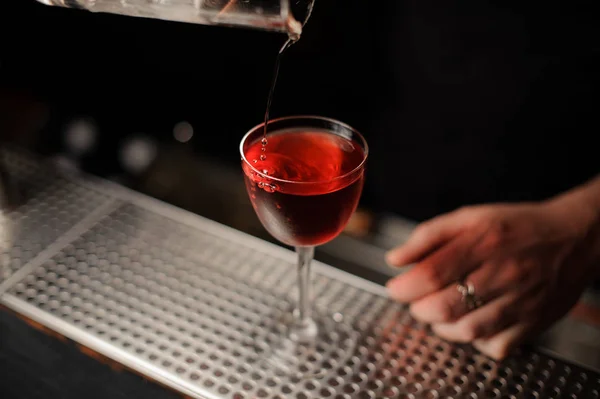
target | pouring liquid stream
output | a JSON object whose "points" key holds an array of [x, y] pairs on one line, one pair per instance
{"points": [[264, 141], [294, 36]]}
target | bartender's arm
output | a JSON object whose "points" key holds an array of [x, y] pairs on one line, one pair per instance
{"points": [[496, 274]]}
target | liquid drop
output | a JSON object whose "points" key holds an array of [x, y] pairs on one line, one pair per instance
{"points": [[270, 188]]}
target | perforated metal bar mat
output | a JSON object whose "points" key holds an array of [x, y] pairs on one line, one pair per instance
{"points": [[51, 206], [176, 297]]}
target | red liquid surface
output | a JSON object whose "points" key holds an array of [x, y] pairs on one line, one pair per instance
{"points": [[318, 197]]}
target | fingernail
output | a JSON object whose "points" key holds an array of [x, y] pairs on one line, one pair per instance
{"points": [[391, 257], [392, 293], [388, 287], [393, 261]]}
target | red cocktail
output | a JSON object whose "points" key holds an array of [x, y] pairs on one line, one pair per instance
{"points": [[307, 187], [304, 179]]}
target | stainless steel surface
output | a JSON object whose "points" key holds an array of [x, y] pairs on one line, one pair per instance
{"points": [[179, 298], [50, 205]]}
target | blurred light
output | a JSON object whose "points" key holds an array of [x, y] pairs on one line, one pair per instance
{"points": [[183, 131], [137, 153], [80, 136]]}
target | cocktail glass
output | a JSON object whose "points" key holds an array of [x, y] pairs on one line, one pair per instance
{"points": [[304, 179]]}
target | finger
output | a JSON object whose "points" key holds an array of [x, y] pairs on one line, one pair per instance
{"points": [[486, 321], [426, 237], [443, 306], [445, 266], [448, 305], [490, 281], [500, 345]]}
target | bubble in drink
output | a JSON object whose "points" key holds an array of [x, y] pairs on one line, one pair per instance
{"points": [[255, 160], [264, 141], [270, 188], [263, 157]]}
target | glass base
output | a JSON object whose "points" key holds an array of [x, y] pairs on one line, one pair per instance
{"points": [[311, 352]]}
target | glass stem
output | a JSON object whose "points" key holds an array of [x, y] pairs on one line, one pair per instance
{"points": [[305, 328]]}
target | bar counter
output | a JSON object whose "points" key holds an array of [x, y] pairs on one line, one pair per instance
{"points": [[106, 292]]}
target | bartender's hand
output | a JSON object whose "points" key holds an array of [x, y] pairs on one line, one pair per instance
{"points": [[526, 264]]}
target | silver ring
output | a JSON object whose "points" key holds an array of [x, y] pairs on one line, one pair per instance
{"points": [[467, 291]]}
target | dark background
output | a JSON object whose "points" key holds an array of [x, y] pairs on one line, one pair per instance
{"points": [[462, 102], [139, 75]]}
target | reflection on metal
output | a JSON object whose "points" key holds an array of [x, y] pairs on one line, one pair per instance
{"points": [[177, 297], [48, 207]]}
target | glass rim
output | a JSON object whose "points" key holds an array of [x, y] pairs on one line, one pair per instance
{"points": [[362, 141]]}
